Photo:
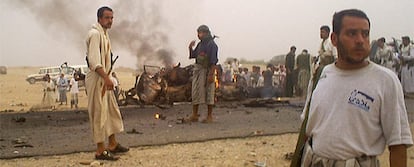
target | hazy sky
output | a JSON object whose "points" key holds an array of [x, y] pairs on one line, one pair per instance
{"points": [[49, 32]]}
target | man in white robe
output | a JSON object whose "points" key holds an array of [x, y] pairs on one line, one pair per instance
{"points": [[407, 70], [104, 114]]}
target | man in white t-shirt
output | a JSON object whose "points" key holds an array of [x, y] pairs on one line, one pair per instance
{"points": [[357, 107], [74, 91]]}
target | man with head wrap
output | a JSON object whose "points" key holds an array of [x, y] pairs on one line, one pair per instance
{"points": [[203, 86]]}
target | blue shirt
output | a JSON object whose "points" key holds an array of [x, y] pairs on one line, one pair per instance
{"points": [[208, 47]]}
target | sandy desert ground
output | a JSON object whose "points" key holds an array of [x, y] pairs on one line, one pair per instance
{"points": [[17, 95]]}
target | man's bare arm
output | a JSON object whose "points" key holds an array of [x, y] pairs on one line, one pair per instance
{"points": [[398, 155]]}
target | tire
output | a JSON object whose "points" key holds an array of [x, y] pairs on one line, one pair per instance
{"points": [[31, 80]]}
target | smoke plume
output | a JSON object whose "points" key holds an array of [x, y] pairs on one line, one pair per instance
{"points": [[139, 28]]}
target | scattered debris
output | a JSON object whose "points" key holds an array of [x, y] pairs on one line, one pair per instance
{"points": [[18, 104], [252, 154], [18, 141], [19, 119], [7, 110], [96, 163], [258, 132], [161, 107], [133, 131], [160, 116], [260, 164], [91, 163], [181, 121], [22, 145], [269, 102], [289, 156]]}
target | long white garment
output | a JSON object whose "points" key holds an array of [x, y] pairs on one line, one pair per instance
{"points": [[104, 114], [74, 87], [49, 93], [360, 116], [383, 55], [407, 73]]}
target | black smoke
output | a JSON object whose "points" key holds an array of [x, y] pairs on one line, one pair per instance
{"points": [[139, 28]]}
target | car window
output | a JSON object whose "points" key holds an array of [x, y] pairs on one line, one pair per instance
{"points": [[67, 70], [42, 71], [55, 70]]}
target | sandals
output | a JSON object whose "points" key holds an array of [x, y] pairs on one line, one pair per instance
{"points": [[106, 155], [207, 121], [190, 119], [119, 149]]}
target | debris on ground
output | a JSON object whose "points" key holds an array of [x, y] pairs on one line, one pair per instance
{"points": [[289, 156], [19, 119], [133, 131]]}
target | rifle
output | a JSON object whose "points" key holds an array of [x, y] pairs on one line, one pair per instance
{"points": [[297, 155], [110, 70]]}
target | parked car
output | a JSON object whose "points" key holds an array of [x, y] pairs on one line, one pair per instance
{"points": [[53, 72], [3, 70]]}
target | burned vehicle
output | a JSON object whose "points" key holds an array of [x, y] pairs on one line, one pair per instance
{"points": [[164, 86], [158, 85]]}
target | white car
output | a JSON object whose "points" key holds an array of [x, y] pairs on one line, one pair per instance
{"points": [[53, 72]]}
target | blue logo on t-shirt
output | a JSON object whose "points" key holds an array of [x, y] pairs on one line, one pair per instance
{"points": [[360, 100]]}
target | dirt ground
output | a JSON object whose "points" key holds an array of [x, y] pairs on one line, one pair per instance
{"points": [[150, 148]]}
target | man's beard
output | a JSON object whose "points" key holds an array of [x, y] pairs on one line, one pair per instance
{"points": [[346, 55]]}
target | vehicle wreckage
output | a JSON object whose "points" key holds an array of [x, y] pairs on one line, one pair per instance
{"points": [[157, 85]]}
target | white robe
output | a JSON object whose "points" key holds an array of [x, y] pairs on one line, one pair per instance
{"points": [[407, 73], [104, 114], [49, 93]]}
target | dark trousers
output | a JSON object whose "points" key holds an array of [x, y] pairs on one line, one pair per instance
{"points": [[289, 85]]}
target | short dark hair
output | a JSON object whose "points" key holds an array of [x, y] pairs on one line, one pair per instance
{"points": [[405, 38], [382, 39], [326, 28], [293, 47], [339, 16], [101, 10]]}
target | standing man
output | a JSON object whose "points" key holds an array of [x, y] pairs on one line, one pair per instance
{"points": [[303, 65], [407, 69], [357, 107], [62, 85], [74, 91], [383, 54], [290, 76], [104, 114], [327, 52], [49, 89], [203, 86]]}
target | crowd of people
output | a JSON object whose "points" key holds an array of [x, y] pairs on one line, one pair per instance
{"points": [[292, 78], [55, 90], [276, 80], [397, 57]]}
